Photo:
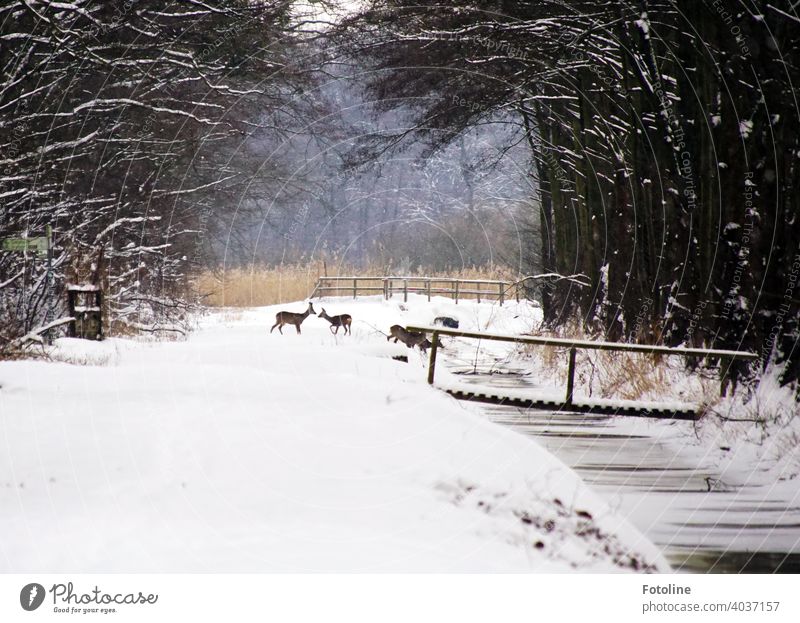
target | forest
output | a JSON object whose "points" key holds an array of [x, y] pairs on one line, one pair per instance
{"points": [[638, 158]]}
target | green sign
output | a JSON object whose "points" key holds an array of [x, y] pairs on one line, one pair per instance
{"points": [[38, 245]]}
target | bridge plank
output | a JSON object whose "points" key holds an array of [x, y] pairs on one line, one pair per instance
{"points": [[600, 407]]}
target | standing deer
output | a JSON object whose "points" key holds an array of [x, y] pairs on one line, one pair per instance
{"points": [[343, 320], [284, 317], [410, 338]]}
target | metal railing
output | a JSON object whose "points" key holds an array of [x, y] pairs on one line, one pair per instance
{"points": [[480, 289], [573, 345]]}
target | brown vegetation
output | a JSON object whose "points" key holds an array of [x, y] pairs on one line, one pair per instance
{"points": [[271, 285]]}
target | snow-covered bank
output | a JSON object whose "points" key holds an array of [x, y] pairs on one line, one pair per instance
{"points": [[238, 450]]}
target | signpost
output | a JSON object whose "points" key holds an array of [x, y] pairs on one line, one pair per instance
{"points": [[41, 245]]}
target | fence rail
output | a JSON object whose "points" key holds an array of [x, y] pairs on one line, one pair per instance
{"points": [[480, 289], [573, 346]]}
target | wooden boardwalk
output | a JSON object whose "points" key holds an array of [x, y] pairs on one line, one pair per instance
{"points": [[680, 411]]}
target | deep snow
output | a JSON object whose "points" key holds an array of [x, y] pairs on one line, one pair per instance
{"points": [[237, 450]]}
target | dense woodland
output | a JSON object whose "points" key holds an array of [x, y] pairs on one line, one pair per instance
{"points": [[126, 127], [665, 149], [648, 150]]}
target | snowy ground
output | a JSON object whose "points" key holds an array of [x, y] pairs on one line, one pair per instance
{"points": [[238, 450]]}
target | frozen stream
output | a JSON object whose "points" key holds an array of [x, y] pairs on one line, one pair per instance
{"points": [[675, 497]]}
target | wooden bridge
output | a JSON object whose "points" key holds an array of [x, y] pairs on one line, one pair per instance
{"points": [[682, 411], [479, 289]]}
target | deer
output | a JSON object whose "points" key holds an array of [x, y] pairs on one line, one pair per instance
{"points": [[425, 344], [284, 317], [410, 338], [446, 321], [343, 320]]}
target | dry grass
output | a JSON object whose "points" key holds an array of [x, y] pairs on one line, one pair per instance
{"points": [[271, 285], [259, 286], [629, 376], [615, 374]]}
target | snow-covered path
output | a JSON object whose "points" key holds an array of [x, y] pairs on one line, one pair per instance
{"points": [[238, 450]]}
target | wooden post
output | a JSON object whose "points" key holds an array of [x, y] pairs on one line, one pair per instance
{"points": [[99, 304], [479, 291], [501, 293], [455, 287], [72, 330], [570, 376], [405, 290], [429, 290], [516, 292], [724, 371], [385, 289], [432, 360], [355, 287]]}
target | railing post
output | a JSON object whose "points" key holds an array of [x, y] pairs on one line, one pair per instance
{"points": [[502, 293], [724, 371], [405, 290], [570, 376], [432, 360]]}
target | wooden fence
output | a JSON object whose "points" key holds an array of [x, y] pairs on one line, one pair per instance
{"points": [[573, 346], [480, 289]]}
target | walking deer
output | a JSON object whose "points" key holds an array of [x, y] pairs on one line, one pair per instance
{"points": [[284, 317], [410, 338], [343, 320]]}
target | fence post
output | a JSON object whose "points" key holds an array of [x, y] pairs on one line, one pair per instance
{"points": [[405, 290], [502, 293], [455, 287], [479, 291], [429, 290], [724, 376], [355, 287], [432, 360], [385, 289], [570, 376], [516, 292]]}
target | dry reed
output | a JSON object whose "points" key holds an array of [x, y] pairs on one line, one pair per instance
{"points": [[270, 285]]}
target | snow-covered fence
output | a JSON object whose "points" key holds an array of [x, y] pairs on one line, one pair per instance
{"points": [[724, 356], [480, 289]]}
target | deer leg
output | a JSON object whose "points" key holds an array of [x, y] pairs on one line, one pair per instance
{"points": [[297, 326]]}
